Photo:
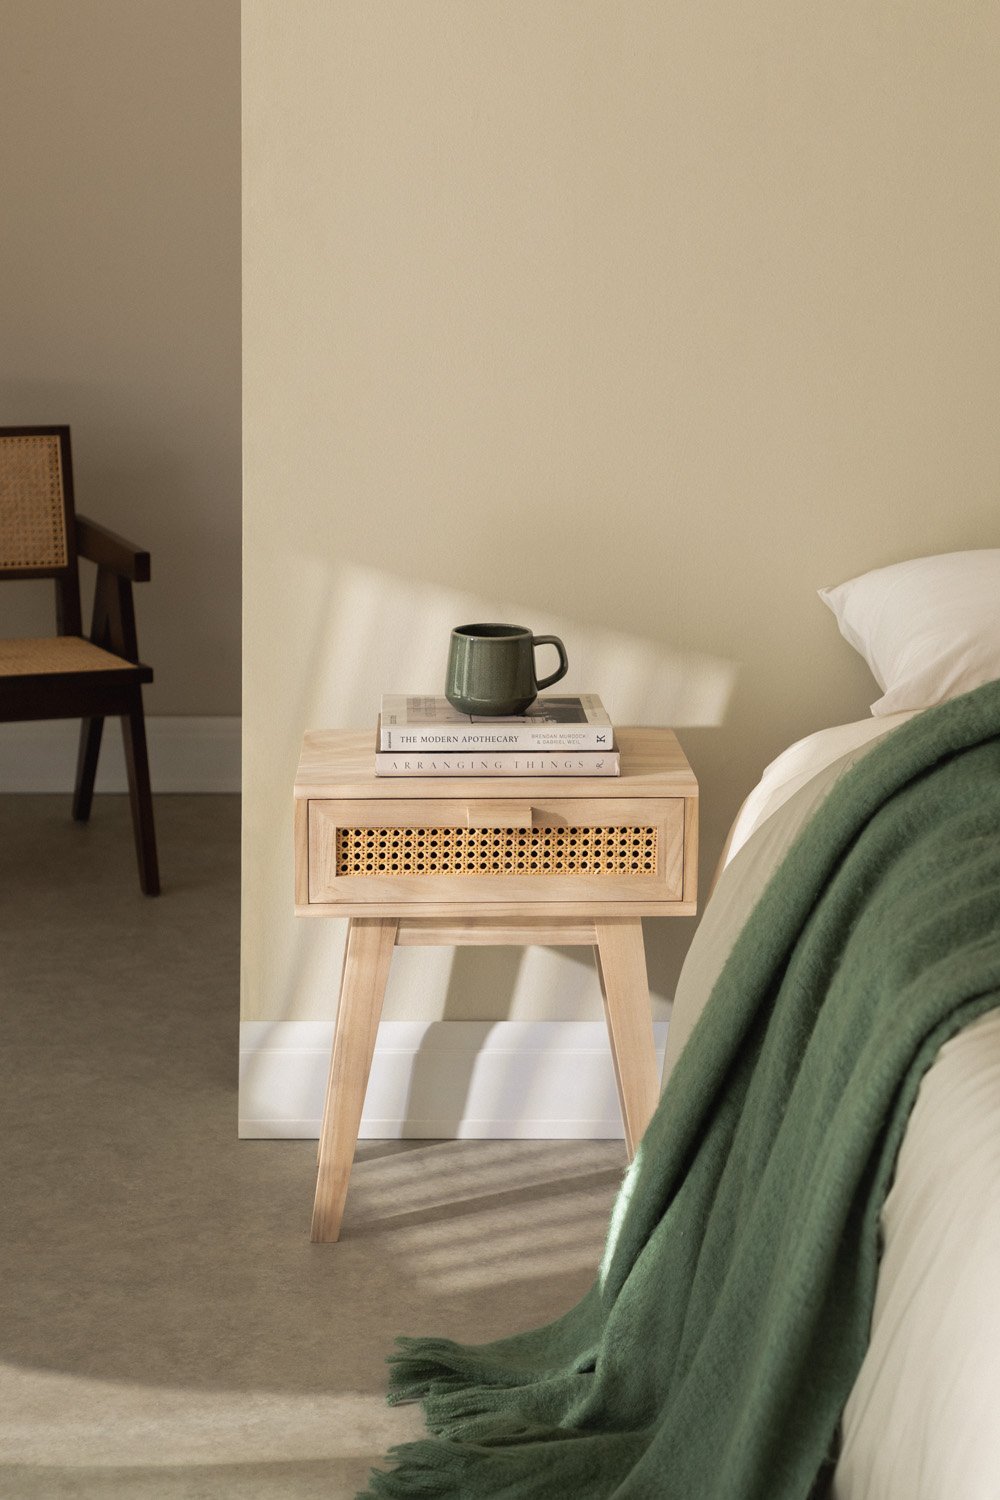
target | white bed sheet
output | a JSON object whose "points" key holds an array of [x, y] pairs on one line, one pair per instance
{"points": [[923, 1419], [797, 765]]}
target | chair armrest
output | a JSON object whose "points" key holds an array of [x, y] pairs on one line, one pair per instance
{"points": [[107, 550]]}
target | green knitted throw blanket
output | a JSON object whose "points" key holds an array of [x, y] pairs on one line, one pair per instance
{"points": [[712, 1357]]}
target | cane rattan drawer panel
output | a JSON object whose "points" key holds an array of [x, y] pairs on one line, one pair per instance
{"points": [[435, 850], [612, 849]]}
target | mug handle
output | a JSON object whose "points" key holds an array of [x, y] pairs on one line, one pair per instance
{"points": [[562, 669]]}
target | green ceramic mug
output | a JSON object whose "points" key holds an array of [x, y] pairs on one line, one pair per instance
{"points": [[491, 669]]}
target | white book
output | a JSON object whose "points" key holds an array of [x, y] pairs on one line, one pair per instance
{"points": [[551, 723], [498, 763]]}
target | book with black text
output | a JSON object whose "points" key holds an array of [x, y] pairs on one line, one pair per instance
{"points": [[497, 763], [564, 723]]}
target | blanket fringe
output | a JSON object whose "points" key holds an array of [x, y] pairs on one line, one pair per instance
{"points": [[421, 1368], [473, 1413], [424, 1368], [424, 1468], [418, 1381], [457, 1408]]}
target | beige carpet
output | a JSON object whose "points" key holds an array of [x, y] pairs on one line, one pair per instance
{"points": [[167, 1328]]}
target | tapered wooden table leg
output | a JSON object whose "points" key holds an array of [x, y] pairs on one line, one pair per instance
{"points": [[326, 1097], [366, 969], [621, 966]]}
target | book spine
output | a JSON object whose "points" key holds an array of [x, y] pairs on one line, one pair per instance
{"points": [[519, 737], [503, 763]]}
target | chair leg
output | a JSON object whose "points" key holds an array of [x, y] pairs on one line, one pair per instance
{"points": [[86, 767], [140, 796]]}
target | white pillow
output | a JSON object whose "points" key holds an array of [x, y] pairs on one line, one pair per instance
{"points": [[929, 629]]}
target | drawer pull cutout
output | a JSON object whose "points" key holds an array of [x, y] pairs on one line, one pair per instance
{"points": [[614, 849]]}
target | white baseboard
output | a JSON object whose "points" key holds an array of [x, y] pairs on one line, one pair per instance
{"points": [[528, 1080], [186, 754]]}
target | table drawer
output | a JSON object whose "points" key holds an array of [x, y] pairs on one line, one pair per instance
{"points": [[451, 850]]}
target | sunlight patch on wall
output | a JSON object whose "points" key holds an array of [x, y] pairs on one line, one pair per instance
{"points": [[382, 633], [344, 635]]}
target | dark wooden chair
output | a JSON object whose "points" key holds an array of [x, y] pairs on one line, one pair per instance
{"points": [[66, 676]]}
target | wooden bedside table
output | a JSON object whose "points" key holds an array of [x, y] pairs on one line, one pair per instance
{"points": [[491, 860]]}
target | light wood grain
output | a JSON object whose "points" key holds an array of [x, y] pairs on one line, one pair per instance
{"points": [[490, 932], [505, 910], [690, 854], [300, 833], [507, 814], [366, 970], [454, 812], [327, 1096], [621, 967]]}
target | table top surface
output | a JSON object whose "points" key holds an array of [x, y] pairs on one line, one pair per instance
{"points": [[339, 763]]}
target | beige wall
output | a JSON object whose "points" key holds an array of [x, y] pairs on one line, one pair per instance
{"points": [[643, 320], [119, 165]]}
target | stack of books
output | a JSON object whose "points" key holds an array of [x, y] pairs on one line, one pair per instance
{"points": [[564, 736]]}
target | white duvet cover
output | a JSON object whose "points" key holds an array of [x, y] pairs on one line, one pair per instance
{"points": [[923, 1419]]}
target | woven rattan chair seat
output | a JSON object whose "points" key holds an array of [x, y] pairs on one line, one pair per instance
{"points": [[60, 653]]}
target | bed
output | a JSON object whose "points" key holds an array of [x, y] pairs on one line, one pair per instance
{"points": [[813, 1215], [921, 1420]]}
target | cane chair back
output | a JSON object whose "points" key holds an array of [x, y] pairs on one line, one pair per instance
{"points": [[37, 531]]}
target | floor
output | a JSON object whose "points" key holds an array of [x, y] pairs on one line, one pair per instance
{"points": [[167, 1328]]}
